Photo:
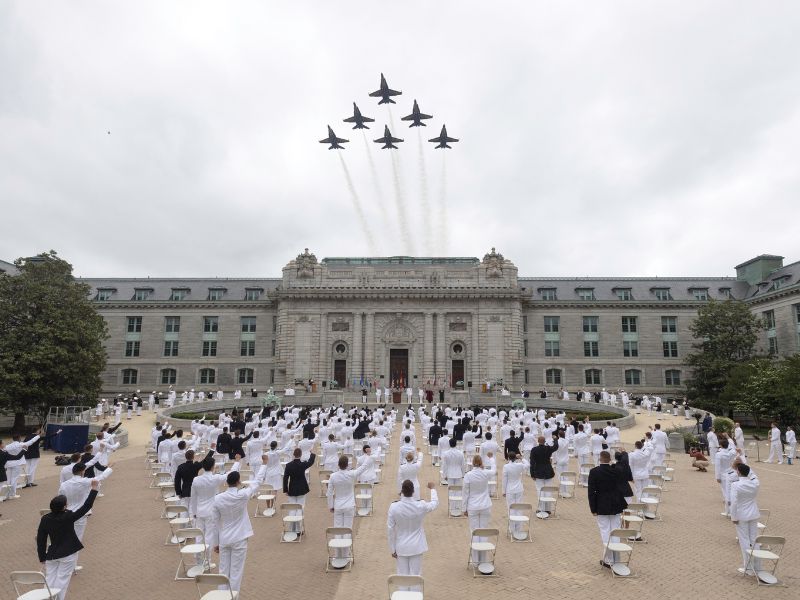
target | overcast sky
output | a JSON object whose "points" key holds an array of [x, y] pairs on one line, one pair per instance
{"points": [[597, 138]]}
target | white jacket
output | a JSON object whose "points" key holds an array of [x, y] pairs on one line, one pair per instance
{"points": [[743, 498], [404, 524], [476, 489], [453, 464], [512, 477], [229, 513], [341, 486], [204, 488], [77, 488], [638, 461]]}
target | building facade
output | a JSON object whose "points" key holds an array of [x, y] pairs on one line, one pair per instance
{"points": [[405, 321]]}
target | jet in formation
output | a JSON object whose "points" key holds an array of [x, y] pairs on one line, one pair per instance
{"points": [[442, 140], [416, 116], [335, 142], [387, 140], [358, 119], [384, 93]]}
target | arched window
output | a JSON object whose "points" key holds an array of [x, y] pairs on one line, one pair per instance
{"points": [[208, 376], [553, 376], [672, 377], [130, 376], [593, 376], [633, 377], [245, 376], [169, 376]]}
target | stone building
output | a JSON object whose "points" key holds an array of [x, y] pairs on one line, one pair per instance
{"points": [[414, 321]]}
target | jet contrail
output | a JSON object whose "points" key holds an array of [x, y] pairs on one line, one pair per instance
{"points": [[425, 205], [357, 205], [405, 233], [376, 183], [443, 205]]}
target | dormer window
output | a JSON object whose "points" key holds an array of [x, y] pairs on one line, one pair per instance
{"points": [[104, 294], [662, 294], [725, 292], [141, 294], [253, 293], [585, 293], [623, 293], [179, 294], [548, 293], [699, 293], [215, 294]]}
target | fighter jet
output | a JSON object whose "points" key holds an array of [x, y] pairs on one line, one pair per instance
{"points": [[442, 140], [335, 142], [385, 93], [387, 140], [416, 116], [358, 119]]}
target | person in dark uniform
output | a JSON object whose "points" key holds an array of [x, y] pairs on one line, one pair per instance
{"points": [[606, 500]]}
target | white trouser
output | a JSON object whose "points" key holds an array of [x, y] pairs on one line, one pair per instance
{"points": [[343, 517], [409, 565], [560, 468], [712, 453], [658, 458], [80, 529], [792, 451], [479, 519], [455, 481], [607, 523], [130, 410], [12, 474], [301, 500], [638, 486], [514, 498], [231, 563], [32, 463], [540, 483], [747, 532], [58, 573], [775, 451]]}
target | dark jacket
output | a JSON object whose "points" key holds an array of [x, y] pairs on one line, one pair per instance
{"points": [[237, 444], [626, 475], [60, 528], [224, 443], [185, 474], [511, 445], [605, 495], [434, 433], [541, 468], [294, 476]]}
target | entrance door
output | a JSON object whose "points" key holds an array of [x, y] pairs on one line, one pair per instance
{"points": [[457, 374], [398, 367], [340, 372]]}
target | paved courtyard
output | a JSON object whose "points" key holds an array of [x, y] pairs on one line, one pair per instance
{"points": [[691, 552]]}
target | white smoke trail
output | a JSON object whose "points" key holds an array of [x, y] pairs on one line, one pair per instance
{"points": [[443, 206], [359, 211], [405, 233], [424, 203], [381, 202]]}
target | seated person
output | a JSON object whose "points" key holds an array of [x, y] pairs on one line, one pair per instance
{"points": [[699, 460]]}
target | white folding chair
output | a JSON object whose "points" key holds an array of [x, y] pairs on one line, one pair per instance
{"points": [[669, 470], [493, 488], [633, 518], [567, 483], [548, 500], [324, 478], [363, 493], [763, 520], [454, 500], [189, 570], [622, 551], [584, 474], [341, 551], [483, 543], [160, 478], [766, 548], [651, 497], [29, 578], [216, 582], [178, 519], [519, 522], [399, 587], [293, 522], [266, 494]]}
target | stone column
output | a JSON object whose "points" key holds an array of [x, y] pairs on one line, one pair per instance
{"points": [[369, 348], [356, 368], [475, 352], [441, 346], [427, 351], [324, 370]]}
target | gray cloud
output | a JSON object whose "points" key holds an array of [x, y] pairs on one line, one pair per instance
{"points": [[621, 138]]}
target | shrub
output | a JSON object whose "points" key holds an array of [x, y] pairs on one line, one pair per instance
{"points": [[723, 424]]}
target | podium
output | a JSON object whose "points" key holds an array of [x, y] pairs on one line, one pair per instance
{"points": [[397, 396]]}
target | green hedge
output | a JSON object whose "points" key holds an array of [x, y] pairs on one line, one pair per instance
{"points": [[723, 424]]}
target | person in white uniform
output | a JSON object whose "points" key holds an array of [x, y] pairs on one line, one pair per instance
{"points": [[14, 467], [405, 530], [513, 490], [738, 436], [775, 448], [409, 471], [204, 487], [476, 501], [791, 441], [232, 528], [341, 494], [453, 464], [744, 512]]}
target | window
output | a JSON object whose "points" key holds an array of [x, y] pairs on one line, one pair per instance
{"points": [[142, 294], [215, 294], [131, 349], [272, 349], [172, 324], [773, 345], [662, 294], [671, 349], [252, 293], [171, 348], [103, 295], [797, 313], [585, 293], [274, 324], [210, 324], [208, 376], [457, 326], [339, 326], [725, 292], [134, 324], [245, 376], [209, 348], [548, 294], [591, 349], [628, 324], [769, 319], [672, 377], [592, 376], [552, 348], [178, 294], [248, 324], [623, 294], [633, 377], [527, 376], [169, 376], [248, 348], [272, 375], [669, 324], [700, 294], [553, 376], [590, 324], [551, 324], [525, 347], [630, 348], [130, 376], [524, 324]]}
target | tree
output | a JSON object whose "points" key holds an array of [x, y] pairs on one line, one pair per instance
{"points": [[787, 408], [727, 333], [752, 388], [51, 338]]}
